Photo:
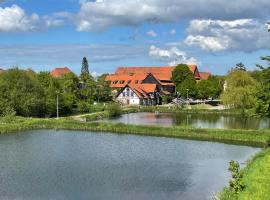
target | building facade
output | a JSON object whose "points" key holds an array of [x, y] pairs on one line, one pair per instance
{"points": [[147, 84]]}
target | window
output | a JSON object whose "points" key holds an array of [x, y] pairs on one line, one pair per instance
{"points": [[136, 82], [129, 81], [132, 93], [124, 94], [114, 82], [127, 92], [121, 82]]}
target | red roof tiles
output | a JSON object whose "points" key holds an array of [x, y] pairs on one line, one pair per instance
{"points": [[60, 71], [205, 75]]}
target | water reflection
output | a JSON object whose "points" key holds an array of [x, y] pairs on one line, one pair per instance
{"points": [[196, 120], [81, 165]]}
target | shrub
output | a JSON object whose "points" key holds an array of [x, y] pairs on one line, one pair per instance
{"points": [[114, 110], [236, 184]]}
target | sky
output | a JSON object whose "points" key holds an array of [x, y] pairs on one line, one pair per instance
{"points": [[213, 34]]}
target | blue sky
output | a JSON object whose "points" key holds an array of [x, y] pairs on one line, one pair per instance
{"points": [[110, 33]]}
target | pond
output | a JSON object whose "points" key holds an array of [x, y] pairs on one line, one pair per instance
{"points": [[64, 165], [196, 120]]}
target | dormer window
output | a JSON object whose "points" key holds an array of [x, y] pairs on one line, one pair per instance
{"points": [[115, 82], [129, 81], [136, 82], [122, 82]]}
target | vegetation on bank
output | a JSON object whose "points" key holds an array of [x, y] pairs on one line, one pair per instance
{"points": [[32, 94], [255, 180], [246, 137]]}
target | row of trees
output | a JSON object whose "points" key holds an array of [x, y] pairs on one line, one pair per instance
{"points": [[185, 82], [249, 89], [34, 94]]}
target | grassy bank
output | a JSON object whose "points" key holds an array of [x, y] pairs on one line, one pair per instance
{"points": [[194, 109], [246, 137], [256, 179]]}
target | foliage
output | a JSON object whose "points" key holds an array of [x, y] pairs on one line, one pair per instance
{"points": [[240, 91], [236, 184], [263, 94], [103, 90], [21, 91], [256, 178], [85, 66], [34, 94], [240, 66], [114, 110], [210, 88], [180, 73], [187, 87]]}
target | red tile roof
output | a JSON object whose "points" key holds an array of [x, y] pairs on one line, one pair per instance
{"points": [[161, 73], [60, 71], [142, 90], [123, 80], [205, 75]]}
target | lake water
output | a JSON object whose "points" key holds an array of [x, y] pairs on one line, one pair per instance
{"points": [[194, 120], [63, 165]]}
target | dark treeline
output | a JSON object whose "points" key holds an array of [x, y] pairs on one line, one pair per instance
{"points": [[26, 93]]}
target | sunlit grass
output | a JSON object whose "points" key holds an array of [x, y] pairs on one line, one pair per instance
{"points": [[256, 180]]}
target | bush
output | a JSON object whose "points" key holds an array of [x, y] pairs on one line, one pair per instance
{"points": [[8, 115], [236, 184], [114, 110]]}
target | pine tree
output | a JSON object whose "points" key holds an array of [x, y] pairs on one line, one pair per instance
{"points": [[85, 66]]}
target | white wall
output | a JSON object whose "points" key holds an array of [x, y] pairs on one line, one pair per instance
{"points": [[135, 100]]}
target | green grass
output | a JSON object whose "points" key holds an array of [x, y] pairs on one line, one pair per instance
{"points": [[259, 138], [256, 180]]}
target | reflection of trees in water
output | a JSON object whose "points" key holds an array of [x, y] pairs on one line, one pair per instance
{"points": [[207, 120], [241, 122], [184, 119]]}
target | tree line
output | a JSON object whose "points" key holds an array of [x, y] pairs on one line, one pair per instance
{"points": [[186, 84], [239, 89], [27, 93]]}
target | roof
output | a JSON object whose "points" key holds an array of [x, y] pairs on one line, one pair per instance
{"points": [[205, 75], [119, 81], [161, 73], [60, 71], [142, 90]]}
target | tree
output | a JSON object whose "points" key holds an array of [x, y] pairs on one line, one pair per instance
{"points": [[240, 66], [210, 88], [51, 86], [103, 89], [180, 73], [241, 89], [85, 66], [263, 94], [21, 92], [187, 86], [184, 80]]}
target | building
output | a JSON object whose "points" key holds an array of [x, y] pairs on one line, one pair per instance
{"points": [[205, 75], [60, 71], [146, 85]]}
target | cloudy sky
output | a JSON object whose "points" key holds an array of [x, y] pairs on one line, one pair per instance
{"points": [[214, 34]]}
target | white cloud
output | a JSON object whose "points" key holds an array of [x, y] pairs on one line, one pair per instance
{"points": [[101, 14], [14, 19], [173, 32], [221, 35], [173, 55], [152, 33]]}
